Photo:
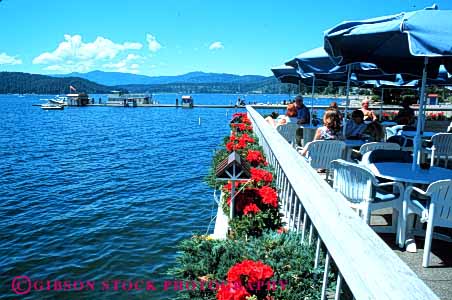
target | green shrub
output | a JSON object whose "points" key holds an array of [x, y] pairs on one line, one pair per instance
{"points": [[203, 258]]}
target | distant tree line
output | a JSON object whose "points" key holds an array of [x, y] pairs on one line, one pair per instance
{"points": [[267, 85], [24, 83]]}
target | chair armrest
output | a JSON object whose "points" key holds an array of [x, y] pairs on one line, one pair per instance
{"points": [[393, 183], [410, 190], [414, 205]]}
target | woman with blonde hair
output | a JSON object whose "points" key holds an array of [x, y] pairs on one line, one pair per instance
{"points": [[331, 129], [331, 126]]}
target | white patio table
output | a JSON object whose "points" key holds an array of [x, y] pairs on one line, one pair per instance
{"points": [[412, 134], [388, 123], [403, 173]]}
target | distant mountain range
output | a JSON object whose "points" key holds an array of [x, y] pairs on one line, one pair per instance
{"points": [[98, 82], [117, 78]]}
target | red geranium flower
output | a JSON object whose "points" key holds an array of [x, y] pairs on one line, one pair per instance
{"points": [[246, 138], [250, 271], [251, 208], [245, 120], [232, 292], [227, 187], [255, 158], [230, 146], [239, 114], [261, 177], [281, 230], [268, 195], [242, 127]]}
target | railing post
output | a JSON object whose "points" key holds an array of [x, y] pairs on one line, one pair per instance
{"points": [[325, 276]]}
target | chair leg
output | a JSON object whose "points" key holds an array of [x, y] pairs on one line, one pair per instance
{"points": [[366, 214], [402, 224], [427, 245], [394, 224], [400, 221], [432, 158]]}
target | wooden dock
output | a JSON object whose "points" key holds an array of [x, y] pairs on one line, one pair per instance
{"points": [[267, 106]]}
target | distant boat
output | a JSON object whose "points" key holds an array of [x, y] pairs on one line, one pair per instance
{"points": [[58, 100], [187, 102], [126, 99], [50, 106]]}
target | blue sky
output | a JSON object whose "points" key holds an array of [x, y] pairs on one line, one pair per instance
{"points": [[172, 37]]}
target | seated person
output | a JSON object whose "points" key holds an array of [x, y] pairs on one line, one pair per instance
{"points": [[303, 114], [355, 127], [369, 114], [290, 116], [405, 116], [374, 132], [333, 106], [330, 130]]}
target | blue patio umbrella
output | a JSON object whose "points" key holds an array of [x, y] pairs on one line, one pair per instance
{"points": [[415, 43], [286, 74], [317, 64]]}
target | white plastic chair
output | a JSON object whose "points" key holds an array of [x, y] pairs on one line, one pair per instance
{"points": [[378, 145], [392, 131], [365, 194], [382, 155], [320, 153], [438, 212], [289, 131], [442, 146], [367, 147]]}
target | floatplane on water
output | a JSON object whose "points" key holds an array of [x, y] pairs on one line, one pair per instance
{"points": [[56, 103]]}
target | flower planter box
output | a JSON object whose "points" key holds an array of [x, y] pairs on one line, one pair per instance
{"points": [[436, 126]]}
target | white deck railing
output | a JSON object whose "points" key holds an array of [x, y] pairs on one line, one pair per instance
{"points": [[311, 207]]}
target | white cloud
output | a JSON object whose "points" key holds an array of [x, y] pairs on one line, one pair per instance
{"points": [[131, 56], [216, 46], [74, 55], [125, 65], [153, 44], [5, 59]]}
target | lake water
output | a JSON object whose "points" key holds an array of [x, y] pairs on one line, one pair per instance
{"points": [[102, 193]]}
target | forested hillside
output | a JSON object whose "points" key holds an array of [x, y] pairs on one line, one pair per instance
{"points": [[25, 83]]}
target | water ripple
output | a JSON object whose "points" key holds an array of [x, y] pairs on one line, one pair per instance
{"points": [[100, 193]]}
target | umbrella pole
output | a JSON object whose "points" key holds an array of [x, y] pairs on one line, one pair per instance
{"points": [[381, 103], [347, 99], [312, 99], [420, 121]]}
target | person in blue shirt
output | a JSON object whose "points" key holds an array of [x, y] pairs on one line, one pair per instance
{"points": [[356, 126], [303, 114]]}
